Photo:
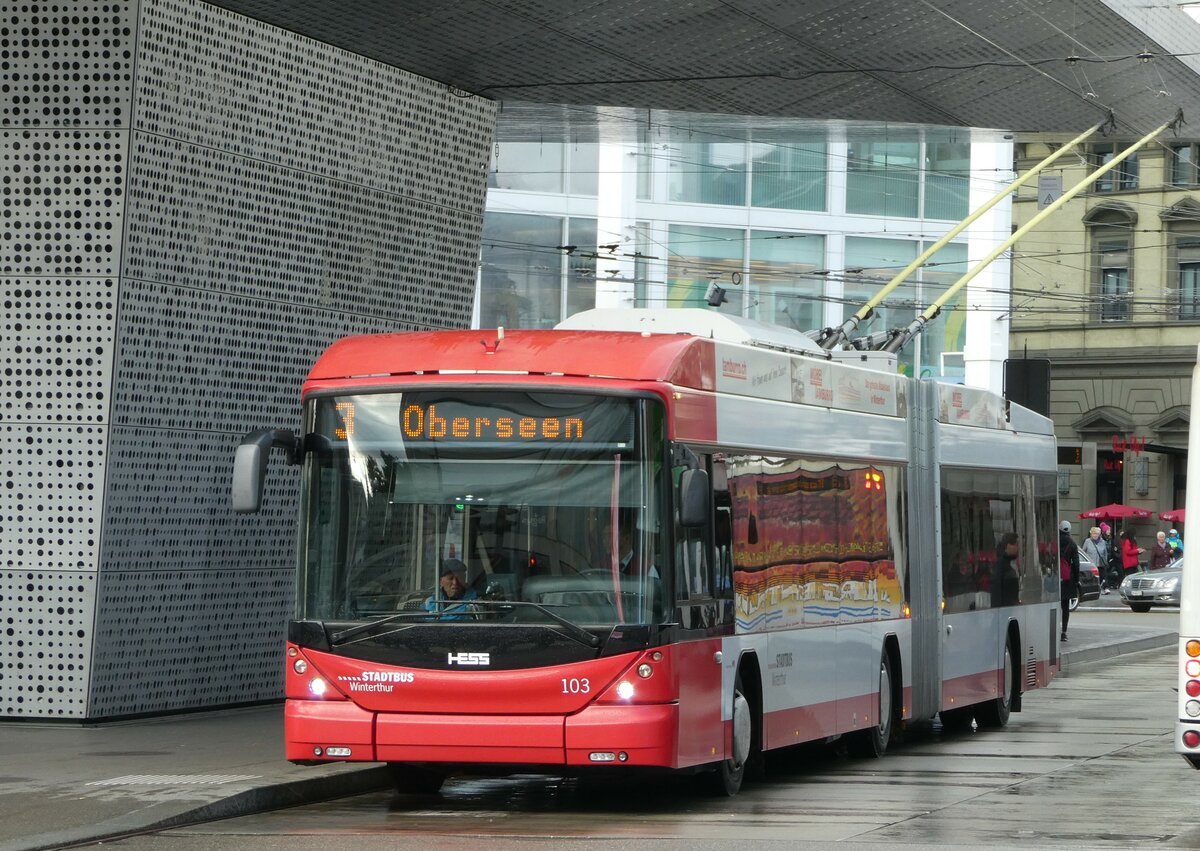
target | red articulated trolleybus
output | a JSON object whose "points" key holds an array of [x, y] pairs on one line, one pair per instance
{"points": [[658, 539]]}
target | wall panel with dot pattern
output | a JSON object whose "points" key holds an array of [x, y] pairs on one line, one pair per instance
{"points": [[64, 134], [196, 204]]}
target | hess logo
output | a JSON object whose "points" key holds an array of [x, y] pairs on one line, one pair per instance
{"points": [[468, 658]]}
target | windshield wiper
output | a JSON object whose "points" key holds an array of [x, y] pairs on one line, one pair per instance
{"points": [[575, 630], [354, 631]]}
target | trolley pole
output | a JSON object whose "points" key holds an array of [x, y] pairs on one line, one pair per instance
{"points": [[834, 336], [917, 325]]}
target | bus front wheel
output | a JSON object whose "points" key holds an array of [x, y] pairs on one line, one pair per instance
{"points": [[731, 772]]}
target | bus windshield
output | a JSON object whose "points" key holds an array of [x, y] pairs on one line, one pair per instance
{"points": [[537, 506]]}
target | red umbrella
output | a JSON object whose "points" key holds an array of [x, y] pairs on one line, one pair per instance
{"points": [[1175, 516], [1115, 511]]}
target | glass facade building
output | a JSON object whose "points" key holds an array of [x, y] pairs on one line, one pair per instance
{"points": [[799, 225]]}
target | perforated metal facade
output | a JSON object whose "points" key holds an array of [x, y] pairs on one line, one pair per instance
{"points": [[177, 247]]}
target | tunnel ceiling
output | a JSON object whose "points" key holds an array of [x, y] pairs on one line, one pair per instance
{"points": [[1024, 65]]}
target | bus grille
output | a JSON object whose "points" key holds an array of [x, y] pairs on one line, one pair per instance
{"points": [[1031, 670]]}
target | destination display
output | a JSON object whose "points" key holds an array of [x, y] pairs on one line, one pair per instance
{"points": [[478, 419]]}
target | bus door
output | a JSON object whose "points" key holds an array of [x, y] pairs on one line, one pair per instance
{"points": [[703, 609]]}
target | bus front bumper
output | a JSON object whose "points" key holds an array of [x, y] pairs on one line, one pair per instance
{"points": [[340, 731]]}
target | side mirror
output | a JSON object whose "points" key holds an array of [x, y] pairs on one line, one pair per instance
{"points": [[693, 498], [250, 466]]}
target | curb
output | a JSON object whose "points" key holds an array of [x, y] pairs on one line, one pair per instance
{"points": [[1121, 648], [278, 796]]}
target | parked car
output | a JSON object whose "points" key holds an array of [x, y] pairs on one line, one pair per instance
{"points": [[1089, 582], [1145, 589]]}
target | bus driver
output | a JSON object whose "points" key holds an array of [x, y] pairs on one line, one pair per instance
{"points": [[452, 592]]}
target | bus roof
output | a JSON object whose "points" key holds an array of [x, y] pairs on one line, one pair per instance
{"points": [[681, 359], [636, 344]]}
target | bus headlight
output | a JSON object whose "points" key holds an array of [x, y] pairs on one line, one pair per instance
{"points": [[317, 687], [625, 690]]}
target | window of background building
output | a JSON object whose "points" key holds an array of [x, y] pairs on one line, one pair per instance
{"points": [[520, 271], [1124, 176], [581, 266], [880, 260], [698, 255], [583, 170], [527, 166], [947, 180], [645, 164], [645, 252], [787, 171], [705, 171], [1183, 165], [779, 286], [947, 334], [1112, 258], [1188, 262], [882, 178]]}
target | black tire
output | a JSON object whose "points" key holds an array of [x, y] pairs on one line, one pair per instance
{"points": [[995, 713], [873, 743], [1073, 603], [415, 779], [731, 773], [1140, 608]]}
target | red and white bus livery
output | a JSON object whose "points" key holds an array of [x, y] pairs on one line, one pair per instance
{"points": [[667, 539]]}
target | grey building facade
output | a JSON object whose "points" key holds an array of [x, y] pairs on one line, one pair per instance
{"points": [[195, 205]]}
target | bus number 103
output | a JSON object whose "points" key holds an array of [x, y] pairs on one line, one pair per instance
{"points": [[576, 686]]}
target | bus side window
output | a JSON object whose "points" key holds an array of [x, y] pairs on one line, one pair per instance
{"points": [[722, 529], [723, 549]]}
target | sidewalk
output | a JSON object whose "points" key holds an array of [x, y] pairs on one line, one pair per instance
{"points": [[61, 785]]}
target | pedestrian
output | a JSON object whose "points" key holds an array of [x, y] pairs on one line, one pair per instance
{"points": [[1096, 549], [1068, 563], [1130, 552], [1115, 568], [1161, 553], [1176, 542]]}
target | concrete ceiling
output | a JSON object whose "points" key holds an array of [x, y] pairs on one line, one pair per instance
{"points": [[1022, 65]]}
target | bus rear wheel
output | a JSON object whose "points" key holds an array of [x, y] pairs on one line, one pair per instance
{"points": [[873, 743], [415, 779], [995, 713]]}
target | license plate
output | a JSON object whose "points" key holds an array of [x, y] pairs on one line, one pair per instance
{"points": [[1135, 593]]}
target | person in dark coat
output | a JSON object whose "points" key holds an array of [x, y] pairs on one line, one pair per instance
{"points": [[1006, 567], [1068, 557]]}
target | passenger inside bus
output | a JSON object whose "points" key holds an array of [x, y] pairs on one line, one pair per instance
{"points": [[1006, 567]]}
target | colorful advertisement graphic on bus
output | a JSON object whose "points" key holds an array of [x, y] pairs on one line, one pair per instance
{"points": [[817, 543]]}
